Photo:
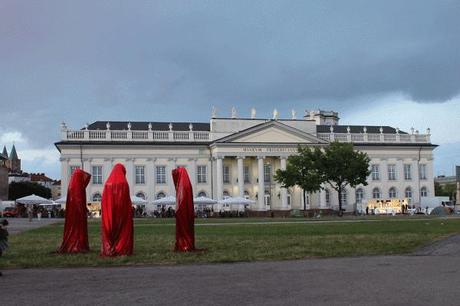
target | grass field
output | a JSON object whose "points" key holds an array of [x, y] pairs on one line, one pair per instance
{"points": [[249, 240]]}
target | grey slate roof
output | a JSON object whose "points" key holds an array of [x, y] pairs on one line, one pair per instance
{"points": [[143, 126], [13, 154], [357, 129], [4, 153]]}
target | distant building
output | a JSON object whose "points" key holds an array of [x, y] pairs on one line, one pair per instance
{"points": [[443, 180], [56, 189], [13, 163], [3, 179], [232, 156], [41, 179]]}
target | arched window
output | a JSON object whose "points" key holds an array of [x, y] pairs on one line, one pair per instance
{"points": [[359, 195], [376, 193], [424, 192], [408, 194], [344, 197], [140, 195], [328, 198], [97, 197], [267, 198], [202, 194], [160, 195], [246, 194], [226, 194], [392, 193]]}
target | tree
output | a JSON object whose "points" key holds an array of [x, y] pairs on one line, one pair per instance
{"points": [[341, 166], [302, 170], [22, 189]]}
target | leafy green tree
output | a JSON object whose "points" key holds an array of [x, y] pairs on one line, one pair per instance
{"points": [[302, 170], [22, 189], [341, 166], [448, 190]]}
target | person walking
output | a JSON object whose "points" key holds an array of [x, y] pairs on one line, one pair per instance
{"points": [[3, 237]]}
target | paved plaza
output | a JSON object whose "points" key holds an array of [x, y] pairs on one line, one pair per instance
{"points": [[427, 277]]}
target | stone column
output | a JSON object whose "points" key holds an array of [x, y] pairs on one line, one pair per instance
{"points": [[261, 194], [169, 179], [220, 177], [130, 173], [240, 175], [64, 176], [192, 175], [322, 198], [283, 191], [150, 178]]}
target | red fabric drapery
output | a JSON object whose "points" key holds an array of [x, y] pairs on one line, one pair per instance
{"points": [[75, 238], [185, 214], [117, 215]]}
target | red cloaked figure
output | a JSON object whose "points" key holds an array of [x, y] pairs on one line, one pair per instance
{"points": [[75, 239], [185, 214], [117, 215]]}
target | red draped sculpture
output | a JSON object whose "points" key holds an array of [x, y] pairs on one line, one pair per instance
{"points": [[117, 215], [185, 214], [75, 239]]}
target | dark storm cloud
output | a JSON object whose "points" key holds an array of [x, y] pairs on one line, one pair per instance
{"points": [[80, 61]]}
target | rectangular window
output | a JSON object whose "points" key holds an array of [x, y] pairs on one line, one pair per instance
{"points": [[161, 174], [202, 174], [226, 174], [267, 173], [407, 172], [391, 172], [97, 175], [375, 172], [246, 174], [422, 171], [140, 175]]}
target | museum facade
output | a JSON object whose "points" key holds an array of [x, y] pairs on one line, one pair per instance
{"points": [[232, 156]]}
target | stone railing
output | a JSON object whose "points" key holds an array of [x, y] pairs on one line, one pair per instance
{"points": [[375, 138], [129, 135]]}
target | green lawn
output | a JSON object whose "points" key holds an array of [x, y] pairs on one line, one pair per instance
{"points": [[226, 242]]}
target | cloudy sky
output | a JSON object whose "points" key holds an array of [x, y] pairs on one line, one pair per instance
{"points": [[376, 62]]}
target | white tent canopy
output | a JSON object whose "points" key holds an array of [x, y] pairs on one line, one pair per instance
{"points": [[204, 200], [135, 200], [234, 203], [168, 200], [61, 200], [33, 200]]}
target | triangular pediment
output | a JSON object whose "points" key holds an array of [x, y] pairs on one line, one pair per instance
{"points": [[271, 132]]}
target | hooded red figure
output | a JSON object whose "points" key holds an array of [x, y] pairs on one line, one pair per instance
{"points": [[117, 215], [75, 239], [185, 214]]}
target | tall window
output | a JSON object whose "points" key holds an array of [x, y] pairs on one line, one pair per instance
{"points": [[424, 192], [246, 174], [343, 198], [359, 195], [407, 172], [201, 174], [391, 172], [422, 171], [226, 173], [267, 173], [202, 194], [161, 174], [328, 198], [376, 193], [375, 172], [96, 173], [140, 174], [408, 194], [392, 193]]}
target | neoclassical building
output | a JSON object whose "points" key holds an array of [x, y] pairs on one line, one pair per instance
{"points": [[233, 156]]}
